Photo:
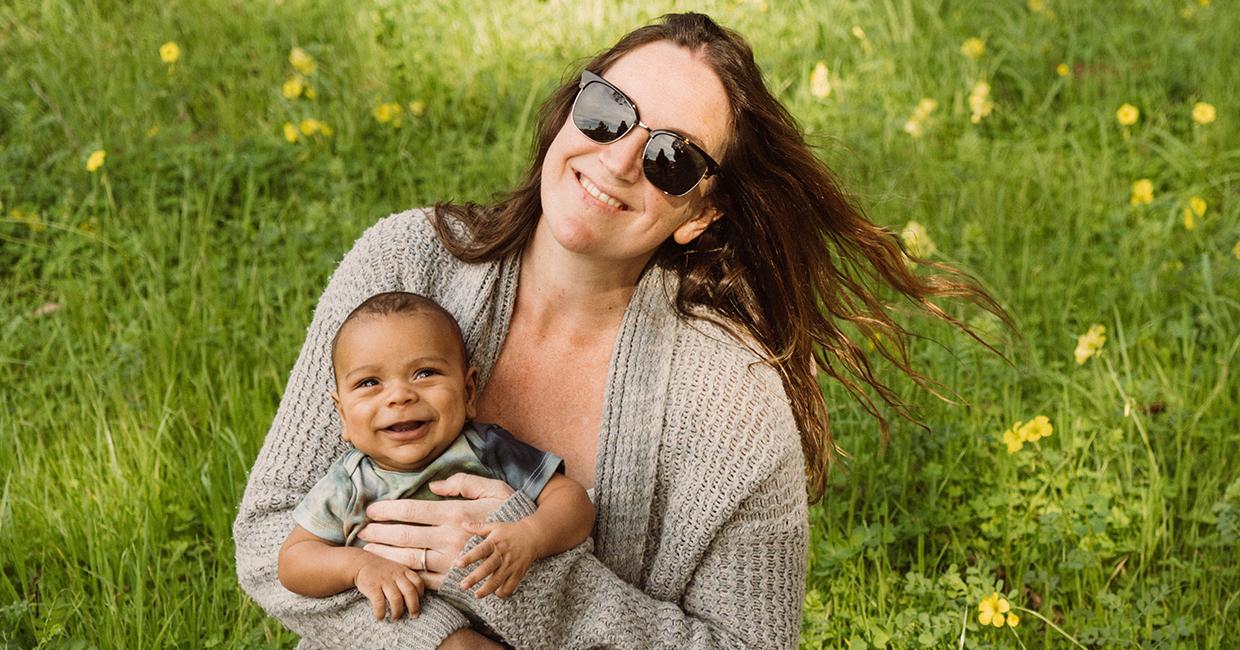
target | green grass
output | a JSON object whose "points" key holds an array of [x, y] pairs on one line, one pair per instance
{"points": [[187, 267]]}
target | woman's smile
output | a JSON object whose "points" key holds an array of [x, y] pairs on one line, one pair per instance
{"points": [[602, 197]]}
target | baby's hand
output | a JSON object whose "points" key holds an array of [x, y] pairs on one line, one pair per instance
{"points": [[389, 585], [507, 553]]}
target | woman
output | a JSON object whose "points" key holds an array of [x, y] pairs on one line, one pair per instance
{"points": [[652, 304]]}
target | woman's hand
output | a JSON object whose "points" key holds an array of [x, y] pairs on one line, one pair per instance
{"points": [[427, 536]]}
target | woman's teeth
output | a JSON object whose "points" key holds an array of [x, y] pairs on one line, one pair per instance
{"points": [[594, 191]]}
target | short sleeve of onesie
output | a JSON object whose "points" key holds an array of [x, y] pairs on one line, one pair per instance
{"points": [[320, 512], [527, 469]]}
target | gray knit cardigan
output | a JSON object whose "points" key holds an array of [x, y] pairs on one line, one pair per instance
{"points": [[702, 528]]}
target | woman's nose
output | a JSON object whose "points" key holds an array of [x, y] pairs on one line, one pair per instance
{"points": [[622, 158]]}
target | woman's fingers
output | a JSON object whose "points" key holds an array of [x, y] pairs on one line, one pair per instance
{"points": [[399, 535], [433, 581], [411, 557], [454, 511], [471, 486]]}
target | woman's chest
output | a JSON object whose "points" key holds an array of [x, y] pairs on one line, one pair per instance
{"points": [[550, 396]]}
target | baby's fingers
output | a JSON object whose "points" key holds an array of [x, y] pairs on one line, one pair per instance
{"points": [[377, 601], [483, 549], [410, 592], [510, 585], [488, 566], [395, 599]]}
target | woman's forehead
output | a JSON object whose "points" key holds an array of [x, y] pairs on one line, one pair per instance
{"points": [[674, 89]]}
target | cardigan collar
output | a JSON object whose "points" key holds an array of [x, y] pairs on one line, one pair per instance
{"points": [[631, 426]]}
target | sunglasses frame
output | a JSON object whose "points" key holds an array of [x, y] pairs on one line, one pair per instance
{"points": [[587, 78]]}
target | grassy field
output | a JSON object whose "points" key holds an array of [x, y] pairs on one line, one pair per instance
{"points": [[151, 308]]}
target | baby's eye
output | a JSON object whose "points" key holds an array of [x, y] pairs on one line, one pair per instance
{"points": [[424, 373], [368, 382]]}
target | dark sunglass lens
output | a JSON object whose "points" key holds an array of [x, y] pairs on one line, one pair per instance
{"points": [[672, 165], [602, 113]]}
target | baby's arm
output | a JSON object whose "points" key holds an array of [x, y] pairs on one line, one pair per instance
{"points": [[564, 519], [312, 566]]}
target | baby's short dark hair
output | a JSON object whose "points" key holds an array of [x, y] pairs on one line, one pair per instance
{"points": [[402, 302]]}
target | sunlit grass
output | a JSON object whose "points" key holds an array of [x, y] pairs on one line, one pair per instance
{"points": [[150, 309]]}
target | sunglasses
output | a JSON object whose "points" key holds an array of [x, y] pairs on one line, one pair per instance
{"points": [[671, 162]]}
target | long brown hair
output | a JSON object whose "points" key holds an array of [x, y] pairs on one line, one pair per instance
{"points": [[791, 259]]}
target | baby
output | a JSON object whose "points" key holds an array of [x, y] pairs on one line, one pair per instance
{"points": [[405, 394]]}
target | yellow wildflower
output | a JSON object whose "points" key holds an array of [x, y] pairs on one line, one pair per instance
{"points": [[1127, 114], [169, 52], [1204, 3], [290, 132], [1195, 209], [1062, 69], [993, 610], [310, 92], [1235, 250], [152, 132], [1203, 113], [859, 34], [1013, 439], [820, 81], [1037, 6], [292, 88], [302, 61], [917, 240], [89, 227], [1088, 344], [1197, 205], [31, 219], [1036, 429], [921, 113], [95, 161], [417, 107], [973, 48], [979, 101], [388, 112], [1142, 192], [310, 126]]}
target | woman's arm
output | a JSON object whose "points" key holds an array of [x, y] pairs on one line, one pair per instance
{"points": [[303, 441], [746, 591]]}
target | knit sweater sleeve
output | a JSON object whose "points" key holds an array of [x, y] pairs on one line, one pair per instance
{"points": [[746, 590], [303, 441]]}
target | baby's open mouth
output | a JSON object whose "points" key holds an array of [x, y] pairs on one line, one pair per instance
{"points": [[408, 430]]}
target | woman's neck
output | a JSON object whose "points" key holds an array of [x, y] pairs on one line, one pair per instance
{"points": [[560, 290]]}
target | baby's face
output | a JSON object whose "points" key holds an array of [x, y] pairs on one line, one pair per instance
{"points": [[402, 389]]}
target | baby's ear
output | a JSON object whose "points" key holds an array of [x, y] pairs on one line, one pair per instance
{"points": [[471, 393]]}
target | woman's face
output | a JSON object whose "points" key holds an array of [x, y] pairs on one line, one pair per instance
{"points": [[595, 197]]}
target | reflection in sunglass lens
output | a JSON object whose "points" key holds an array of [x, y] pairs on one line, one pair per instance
{"points": [[602, 113], [672, 164]]}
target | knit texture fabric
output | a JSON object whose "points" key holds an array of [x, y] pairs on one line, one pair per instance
{"points": [[702, 528]]}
